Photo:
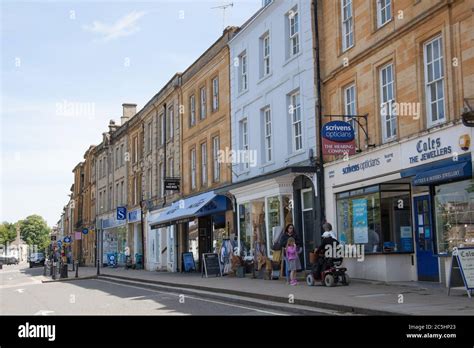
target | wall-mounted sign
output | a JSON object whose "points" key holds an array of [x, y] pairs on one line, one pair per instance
{"points": [[85, 230], [121, 213], [338, 138], [172, 184], [77, 235], [134, 215], [67, 239], [53, 238]]}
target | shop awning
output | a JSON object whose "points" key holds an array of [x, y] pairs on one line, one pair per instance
{"points": [[444, 174], [187, 209]]}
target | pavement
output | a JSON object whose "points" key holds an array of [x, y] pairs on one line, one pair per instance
{"points": [[360, 297]]}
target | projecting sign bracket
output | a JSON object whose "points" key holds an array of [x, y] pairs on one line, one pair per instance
{"points": [[355, 118]]}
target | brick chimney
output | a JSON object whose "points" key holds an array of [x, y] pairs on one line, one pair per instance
{"points": [[129, 110]]}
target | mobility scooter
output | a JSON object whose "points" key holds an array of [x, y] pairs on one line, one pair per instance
{"points": [[332, 273]]}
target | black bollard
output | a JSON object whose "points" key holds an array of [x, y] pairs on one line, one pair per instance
{"points": [[77, 270], [44, 268], [54, 270], [73, 265]]}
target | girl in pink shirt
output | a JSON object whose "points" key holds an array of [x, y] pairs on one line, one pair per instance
{"points": [[291, 255]]}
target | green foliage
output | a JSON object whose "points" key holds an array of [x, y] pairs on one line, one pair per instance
{"points": [[35, 231], [7, 233]]}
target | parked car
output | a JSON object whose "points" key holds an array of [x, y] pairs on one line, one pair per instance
{"points": [[36, 259], [9, 260]]}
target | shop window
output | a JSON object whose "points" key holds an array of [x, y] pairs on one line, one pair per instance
{"points": [[454, 211], [379, 217], [274, 221], [246, 240]]}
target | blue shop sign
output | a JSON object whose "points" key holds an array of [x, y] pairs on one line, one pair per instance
{"points": [[134, 215], [441, 171], [121, 213], [338, 131]]}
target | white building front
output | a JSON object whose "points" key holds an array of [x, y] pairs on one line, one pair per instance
{"points": [[273, 125]]}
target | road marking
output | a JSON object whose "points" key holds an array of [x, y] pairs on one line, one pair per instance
{"points": [[44, 312], [195, 298], [20, 291]]}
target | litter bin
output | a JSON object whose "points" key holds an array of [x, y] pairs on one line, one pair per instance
{"points": [[63, 273]]}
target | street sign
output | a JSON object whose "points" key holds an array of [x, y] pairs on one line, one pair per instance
{"points": [[121, 213], [85, 230], [172, 184], [67, 239], [53, 238]]}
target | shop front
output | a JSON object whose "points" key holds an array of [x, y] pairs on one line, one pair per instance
{"points": [[114, 241], [404, 205], [156, 242], [267, 204], [198, 224], [134, 235]]}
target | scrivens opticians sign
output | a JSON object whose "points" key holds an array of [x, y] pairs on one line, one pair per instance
{"points": [[338, 138]]}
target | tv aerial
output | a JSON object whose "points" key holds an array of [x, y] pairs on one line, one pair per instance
{"points": [[223, 8]]}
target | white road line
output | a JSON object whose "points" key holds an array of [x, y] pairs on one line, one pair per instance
{"points": [[20, 291], [192, 297], [44, 312]]}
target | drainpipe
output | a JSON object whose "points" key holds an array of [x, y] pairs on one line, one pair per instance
{"points": [[320, 163]]}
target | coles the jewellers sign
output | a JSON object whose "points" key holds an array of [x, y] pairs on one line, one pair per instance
{"points": [[338, 138]]}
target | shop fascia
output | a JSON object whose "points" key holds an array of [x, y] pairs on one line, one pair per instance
{"points": [[449, 142]]}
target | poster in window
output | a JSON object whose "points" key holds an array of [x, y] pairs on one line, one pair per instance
{"points": [[359, 221], [406, 238]]}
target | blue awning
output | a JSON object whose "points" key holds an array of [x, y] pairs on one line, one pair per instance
{"points": [[443, 174], [187, 209]]}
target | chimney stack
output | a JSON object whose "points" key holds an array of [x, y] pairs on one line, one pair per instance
{"points": [[129, 110]]}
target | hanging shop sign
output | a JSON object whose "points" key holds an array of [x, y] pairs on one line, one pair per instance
{"points": [[338, 138], [67, 239], [85, 230], [211, 265], [77, 235], [462, 270], [172, 184], [121, 213]]}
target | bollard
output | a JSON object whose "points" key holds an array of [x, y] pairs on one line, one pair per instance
{"points": [[77, 270], [51, 268], [73, 265], [54, 270], [44, 269]]}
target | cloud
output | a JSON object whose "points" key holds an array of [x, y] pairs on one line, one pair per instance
{"points": [[125, 26]]}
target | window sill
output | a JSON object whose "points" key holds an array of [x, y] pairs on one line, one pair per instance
{"points": [[267, 164], [263, 78], [436, 124], [242, 92], [296, 153], [380, 26], [292, 58]]}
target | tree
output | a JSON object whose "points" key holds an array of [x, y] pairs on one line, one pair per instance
{"points": [[7, 233], [35, 231]]}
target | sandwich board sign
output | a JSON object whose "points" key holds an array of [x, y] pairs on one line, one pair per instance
{"points": [[188, 262], [462, 270], [211, 265]]}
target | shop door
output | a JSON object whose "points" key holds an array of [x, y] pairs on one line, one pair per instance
{"points": [[427, 262], [205, 236]]}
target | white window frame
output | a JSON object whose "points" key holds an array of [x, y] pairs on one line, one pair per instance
{"points": [[215, 93], [149, 127], [192, 110], [215, 153], [294, 32], [434, 81], [244, 81], [350, 108], [162, 129], [266, 54], [347, 24], [267, 136], [202, 106], [296, 121], [384, 12], [245, 139], [387, 88], [193, 168], [171, 116], [203, 164]]}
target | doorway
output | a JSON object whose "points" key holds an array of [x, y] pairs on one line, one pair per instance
{"points": [[427, 262]]}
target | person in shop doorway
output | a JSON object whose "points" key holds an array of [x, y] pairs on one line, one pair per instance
{"points": [[291, 252], [290, 232], [128, 260]]}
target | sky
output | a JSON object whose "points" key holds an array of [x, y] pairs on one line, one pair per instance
{"points": [[66, 69]]}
